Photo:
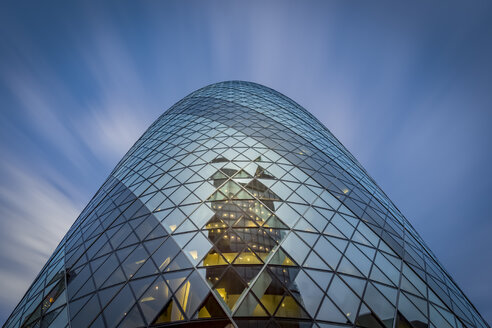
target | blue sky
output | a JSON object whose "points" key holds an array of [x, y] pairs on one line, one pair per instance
{"points": [[406, 87]]}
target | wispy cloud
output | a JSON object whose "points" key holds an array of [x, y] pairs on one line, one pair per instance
{"points": [[36, 212], [120, 113], [394, 82], [40, 199], [44, 112]]}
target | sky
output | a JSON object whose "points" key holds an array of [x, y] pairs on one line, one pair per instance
{"points": [[405, 86]]}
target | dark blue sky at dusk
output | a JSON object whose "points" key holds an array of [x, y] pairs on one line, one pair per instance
{"points": [[406, 87]]}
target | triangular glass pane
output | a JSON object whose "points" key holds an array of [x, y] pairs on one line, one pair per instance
{"points": [[388, 292], [262, 192], [87, 288], [242, 194], [130, 240], [433, 298], [183, 238], [367, 319], [212, 274], [229, 242], [146, 227], [340, 244], [410, 311], [158, 232], [262, 173], [180, 262], [368, 251], [420, 303], [152, 245], [295, 198], [280, 258], [355, 283], [192, 293], [402, 322], [333, 231], [88, 313], [295, 248], [308, 294], [61, 319], [269, 291], [230, 188], [120, 235], [197, 248], [188, 209], [116, 277], [165, 253], [97, 263], [132, 319], [385, 248], [408, 286], [276, 234], [358, 237], [290, 308], [274, 222], [117, 308], [285, 275], [316, 219], [347, 267], [140, 285], [191, 199], [329, 312], [322, 278], [247, 257], [287, 215], [210, 309], [186, 226], [346, 300], [124, 252], [175, 279], [217, 196], [250, 307], [169, 313], [151, 301], [379, 305], [134, 261], [201, 215], [216, 226], [245, 222], [104, 250], [315, 262], [203, 192], [160, 215], [218, 174], [173, 220], [147, 269], [248, 273], [214, 258], [377, 275], [309, 238], [230, 287], [242, 174], [76, 305]]}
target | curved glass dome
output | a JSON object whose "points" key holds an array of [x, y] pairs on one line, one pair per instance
{"points": [[238, 208]]}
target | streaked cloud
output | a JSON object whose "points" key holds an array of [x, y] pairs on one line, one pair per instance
{"points": [[404, 86], [38, 203], [36, 212]]}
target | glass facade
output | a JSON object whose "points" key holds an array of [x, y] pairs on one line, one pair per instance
{"points": [[238, 208]]}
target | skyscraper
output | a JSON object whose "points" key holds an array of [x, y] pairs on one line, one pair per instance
{"points": [[238, 208]]}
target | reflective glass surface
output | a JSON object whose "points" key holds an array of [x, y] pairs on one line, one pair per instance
{"points": [[238, 208]]}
